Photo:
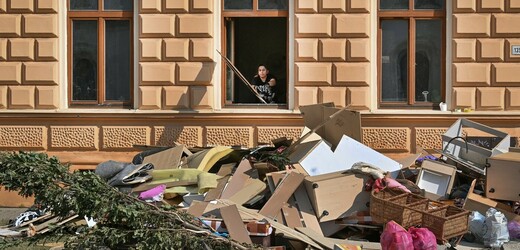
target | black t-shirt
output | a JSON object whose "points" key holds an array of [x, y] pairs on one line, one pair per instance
{"points": [[263, 88]]}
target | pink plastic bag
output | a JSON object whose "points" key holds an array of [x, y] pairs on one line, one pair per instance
{"points": [[395, 237], [423, 239]]}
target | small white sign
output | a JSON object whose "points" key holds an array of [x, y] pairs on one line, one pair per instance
{"points": [[515, 49]]}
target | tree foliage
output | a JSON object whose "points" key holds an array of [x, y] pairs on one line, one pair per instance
{"points": [[123, 221]]}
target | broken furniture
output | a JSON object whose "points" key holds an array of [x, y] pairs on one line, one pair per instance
{"points": [[468, 155], [436, 178]]}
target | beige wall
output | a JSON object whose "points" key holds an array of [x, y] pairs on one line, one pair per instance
{"points": [[29, 54], [485, 73], [332, 57], [176, 66]]}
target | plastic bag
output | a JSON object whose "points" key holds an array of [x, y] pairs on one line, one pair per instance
{"points": [[477, 225], [423, 239], [497, 233], [514, 229], [395, 237]]}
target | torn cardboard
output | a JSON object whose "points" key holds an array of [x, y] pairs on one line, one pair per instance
{"points": [[475, 202]]}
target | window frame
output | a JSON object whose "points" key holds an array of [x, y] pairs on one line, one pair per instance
{"points": [[254, 12], [411, 15], [101, 16]]}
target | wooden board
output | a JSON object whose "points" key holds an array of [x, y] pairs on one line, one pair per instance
{"points": [[306, 210], [291, 216], [282, 193], [238, 179], [197, 208], [234, 224]]}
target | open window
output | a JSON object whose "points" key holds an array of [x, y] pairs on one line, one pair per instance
{"points": [[254, 32]]}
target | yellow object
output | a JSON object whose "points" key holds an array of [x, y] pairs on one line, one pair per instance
{"points": [[204, 160]]}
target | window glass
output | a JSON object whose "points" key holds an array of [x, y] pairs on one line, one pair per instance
{"points": [[394, 60], [272, 4], [429, 4], [393, 4], [84, 60], [83, 4], [117, 64], [238, 4], [123, 5], [428, 47]]}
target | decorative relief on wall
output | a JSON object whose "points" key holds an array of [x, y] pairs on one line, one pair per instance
{"points": [[387, 138], [429, 138], [167, 136], [266, 134], [74, 137], [229, 136], [125, 137], [20, 137]]}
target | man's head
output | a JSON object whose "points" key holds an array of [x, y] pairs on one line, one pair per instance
{"points": [[262, 71]]}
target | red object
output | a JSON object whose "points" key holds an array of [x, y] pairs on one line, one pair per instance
{"points": [[423, 239], [395, 237]]}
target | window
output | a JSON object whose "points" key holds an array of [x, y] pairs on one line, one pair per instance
{"points": [[254, 33], [100, 52], [411, 53]]}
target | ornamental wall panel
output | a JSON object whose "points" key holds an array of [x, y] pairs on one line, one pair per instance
{"points": [[23, 137], [176, 97], [351, 25], [395, 139], [47, 97], [201, 97], [191, 136], [229, 136], [313, 25], [507, 74], [506, 25], [41, 73], [352, 74], [429, 138], [195, 25], [3, 97], [464, 50], [464, 98], [47, 6], [151, 49], [74, 137], [472, 25], [269, 133], [115, 137], [358, 50], [21, 49], [471, 74], [157, 25], [512, 98], [313, 73], [150, 97], [358, 98], [10, 73], [460, 6], [306, 49], [47, 49]]}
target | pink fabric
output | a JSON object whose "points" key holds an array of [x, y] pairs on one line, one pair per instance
{"points": [[423, 239], [391, 183], [395, 237], [150, 193]]}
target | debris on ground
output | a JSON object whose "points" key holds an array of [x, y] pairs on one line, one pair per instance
{"points": [[326, 190]]}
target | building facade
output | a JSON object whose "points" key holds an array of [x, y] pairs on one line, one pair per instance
{"points": [[86, 80]]}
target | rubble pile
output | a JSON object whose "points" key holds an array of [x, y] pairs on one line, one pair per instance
{"points": [[328, 190]]}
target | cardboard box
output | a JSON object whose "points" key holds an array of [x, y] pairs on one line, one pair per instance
{"points": [[337, 195], [475, 202], [167, 159], [502, 175], [317, 157], [436, 178]]}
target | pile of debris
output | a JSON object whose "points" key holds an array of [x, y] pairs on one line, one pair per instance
{"points": [[327, 190]]}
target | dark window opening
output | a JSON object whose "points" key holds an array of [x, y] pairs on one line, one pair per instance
{"points": [[254, 41]]}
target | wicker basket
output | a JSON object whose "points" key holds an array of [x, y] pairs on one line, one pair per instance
{"points": [[403, 208], [446, 222]]}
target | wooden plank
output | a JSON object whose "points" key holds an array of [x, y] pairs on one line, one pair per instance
{"points": [[252, 188], [280, 228], [273, 179], [197, 208], [282, 193], [291, 216], [234, 224], [306, 210], [215, 193], [61, 222], [43, 217], [238, 179]]}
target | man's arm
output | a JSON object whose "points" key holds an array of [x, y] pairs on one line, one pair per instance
{"points": [[272, 82]]}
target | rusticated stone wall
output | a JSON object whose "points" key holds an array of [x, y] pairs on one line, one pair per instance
{"points": [[332, 57], [485, 72], [176, 54], [29, 54]]}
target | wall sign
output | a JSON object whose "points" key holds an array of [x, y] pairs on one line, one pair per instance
{"points": [[515, 49]]}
